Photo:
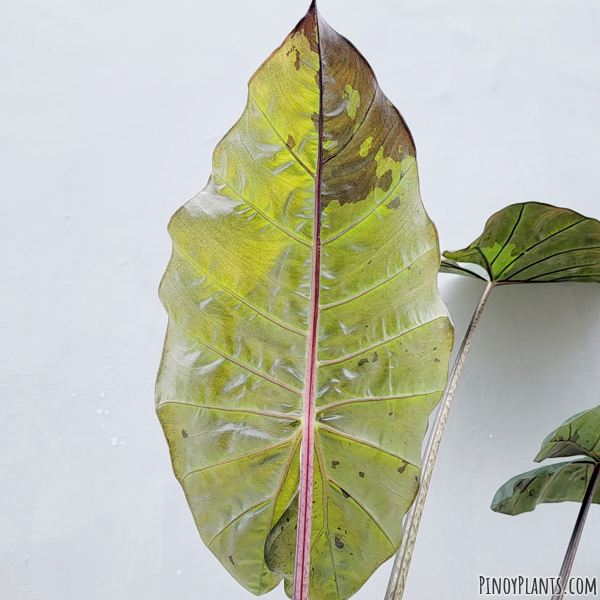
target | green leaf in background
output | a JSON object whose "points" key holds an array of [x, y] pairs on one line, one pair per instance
{"points": [[533, 243], [304, 316], [575, 481], [579, 435], [560, 482]]}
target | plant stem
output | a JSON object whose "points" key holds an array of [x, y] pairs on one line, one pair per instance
{"points": [[399, 574], [565, 570]]}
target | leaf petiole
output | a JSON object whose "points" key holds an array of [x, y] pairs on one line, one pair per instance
{"points": [[412, 521], [565, 570]]}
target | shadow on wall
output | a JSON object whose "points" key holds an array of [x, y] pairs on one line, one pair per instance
{"points": [[535, 358]]}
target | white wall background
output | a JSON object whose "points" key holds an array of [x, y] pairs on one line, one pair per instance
{"points": [[109, 114]]}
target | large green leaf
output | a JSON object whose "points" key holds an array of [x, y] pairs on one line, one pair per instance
{"points": [[560, 482], [532, 243], [579, 435], [305, 326]]}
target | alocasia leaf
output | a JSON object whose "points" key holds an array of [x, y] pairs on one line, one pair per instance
{"points": [[532, 243], [307, 343], [560, 482], [579, 435], [575, 481]]}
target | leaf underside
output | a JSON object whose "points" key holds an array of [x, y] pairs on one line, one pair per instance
{"points": [[578, 436], [316, 182], [532, 243], [560, 482]]}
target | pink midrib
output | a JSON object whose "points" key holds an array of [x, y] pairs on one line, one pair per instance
{"points": [[307, 453]]}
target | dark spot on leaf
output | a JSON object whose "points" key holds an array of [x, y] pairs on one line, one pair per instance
{"points": [[363, 361], [395, 203], [345, 494], [390, 414], [385, 181], [351, 554], [291, 142], [297, 61], [287, 520], [361, 474], [334, 463], [436, 360], [435, 349], [575, 436], [370, 262], [375, 357], [402, 468], [231, 559], [184, 433], [339, 528], [338, 543]]}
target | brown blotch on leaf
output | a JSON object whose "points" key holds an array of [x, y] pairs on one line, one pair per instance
{"points": [[575, 436], [308, 27], [395, 203], [375, 357], [363, 361], [231, 559], [402, 468], [437, 360], [297, 61], [184, 433], [291, 142], [338, 543], [361, 474], [345, 493], [334, 463], [385, 181]]}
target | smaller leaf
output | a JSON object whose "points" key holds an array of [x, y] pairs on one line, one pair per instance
{"points": [[451, 266], [560, 482], [577, 436], [533, 243]]}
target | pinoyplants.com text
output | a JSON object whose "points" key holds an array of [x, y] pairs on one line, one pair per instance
{"points": [[534, 586]]}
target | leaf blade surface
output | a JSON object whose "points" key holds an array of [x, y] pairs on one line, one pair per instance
{"points": [[560, 482], [533, 242], [577, 436], [310, 233]]}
